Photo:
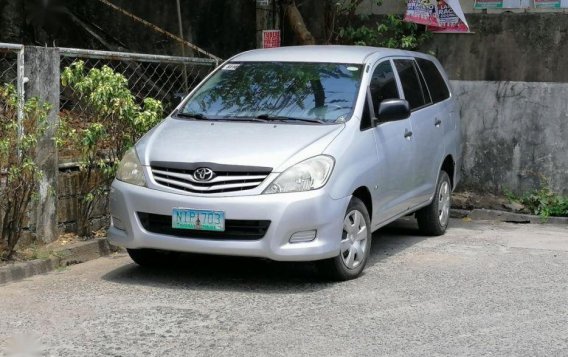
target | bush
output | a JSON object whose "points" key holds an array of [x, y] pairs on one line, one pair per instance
{"points": [[19, 175], [391, 31], [543, 202], [112, 122]]}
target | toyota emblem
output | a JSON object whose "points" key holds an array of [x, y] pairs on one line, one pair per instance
{"points": [[203, 174]]}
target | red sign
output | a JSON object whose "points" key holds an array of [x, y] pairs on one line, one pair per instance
{"points": [[270, 38]]}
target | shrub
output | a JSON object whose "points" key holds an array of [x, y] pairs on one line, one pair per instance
{"points": [[546, 203], [543, 201], [112, 122], [19, 175]]}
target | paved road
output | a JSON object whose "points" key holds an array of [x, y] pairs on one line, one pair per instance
{"points": [[483, 288]]}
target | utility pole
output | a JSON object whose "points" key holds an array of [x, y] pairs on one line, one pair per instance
{"points": [[267, 18], [180, 24]]}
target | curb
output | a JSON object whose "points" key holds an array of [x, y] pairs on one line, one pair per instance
{"points": [[73, 254], [504, 216]]}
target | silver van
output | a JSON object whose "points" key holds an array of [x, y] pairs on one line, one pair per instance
{"points": [[294, 154]]}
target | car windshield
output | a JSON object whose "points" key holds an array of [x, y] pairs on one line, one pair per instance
{"points": [[265, 91]]}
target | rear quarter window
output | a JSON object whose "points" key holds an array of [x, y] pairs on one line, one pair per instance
{"points": [[435, 81]]}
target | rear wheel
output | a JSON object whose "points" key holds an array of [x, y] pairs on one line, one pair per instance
{"points": [[355, 244], [434, 218]]}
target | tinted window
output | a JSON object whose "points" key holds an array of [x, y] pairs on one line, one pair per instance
{"points": [[438, 88], [321, 91], [410, 83], [423, 85], [383, 84]]}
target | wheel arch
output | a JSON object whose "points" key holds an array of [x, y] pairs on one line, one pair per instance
{"points": [[449, 166], [364, 194]]}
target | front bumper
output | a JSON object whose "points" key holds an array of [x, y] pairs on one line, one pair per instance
{"points": [[289, 213]]}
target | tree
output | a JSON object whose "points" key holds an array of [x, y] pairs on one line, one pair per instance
{"points": [[345, 26], [296, 22]]}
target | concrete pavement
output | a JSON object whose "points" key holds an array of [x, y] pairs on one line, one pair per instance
{"points": [[482, 289]]}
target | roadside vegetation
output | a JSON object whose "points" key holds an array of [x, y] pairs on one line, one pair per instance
{"points": [[111, 122], [543, 202], [19, 174]]}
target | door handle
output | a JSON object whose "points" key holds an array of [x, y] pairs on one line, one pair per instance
{"points": [[407, 134], [437, 122]]}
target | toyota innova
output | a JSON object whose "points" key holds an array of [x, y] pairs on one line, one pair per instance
{"points": [[294, 154]]}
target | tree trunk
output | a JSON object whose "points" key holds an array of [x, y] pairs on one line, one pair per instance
{"points": [[296, 22]]}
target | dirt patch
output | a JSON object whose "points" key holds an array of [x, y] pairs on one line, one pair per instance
{"points": [[468, 200], [37, 251]]}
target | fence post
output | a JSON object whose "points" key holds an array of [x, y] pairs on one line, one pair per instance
{"points": [[41, 65]]}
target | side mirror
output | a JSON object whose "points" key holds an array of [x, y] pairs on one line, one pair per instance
{"points": [[393, 110]]}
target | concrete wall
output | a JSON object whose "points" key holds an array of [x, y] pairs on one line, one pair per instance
{"points": [[503, 47], [506, 47], [515, 134]]}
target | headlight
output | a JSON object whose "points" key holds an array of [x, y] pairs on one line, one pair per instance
{"points": [[130, 169], [307, 175]]}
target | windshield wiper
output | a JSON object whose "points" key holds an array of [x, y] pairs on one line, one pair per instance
{"points": [[198, 116], [249, 119], [269, 117]]}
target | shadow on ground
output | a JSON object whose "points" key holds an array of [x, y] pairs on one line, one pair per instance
{"points": [[205, 272]]}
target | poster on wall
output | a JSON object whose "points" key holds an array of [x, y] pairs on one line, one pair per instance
{"points": [[488, 4], [547, 4], [451, 19], [421, 12]]}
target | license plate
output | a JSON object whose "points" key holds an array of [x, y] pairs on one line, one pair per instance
{"points": [[200, 220]]}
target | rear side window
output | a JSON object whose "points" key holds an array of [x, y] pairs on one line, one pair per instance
{"points": [[410, 80], [436, 84]]}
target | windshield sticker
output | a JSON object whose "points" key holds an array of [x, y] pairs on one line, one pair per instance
{"points": [[352, 69], [231, 66]]}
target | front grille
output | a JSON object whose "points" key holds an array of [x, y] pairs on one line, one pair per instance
{"points": [[223, 181], [234, 229]]}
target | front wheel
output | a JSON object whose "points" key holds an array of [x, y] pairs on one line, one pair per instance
{"points": [[354, 247], [434, 218]]}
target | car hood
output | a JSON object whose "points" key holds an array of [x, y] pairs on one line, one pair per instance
{"points": [[235, 143]]}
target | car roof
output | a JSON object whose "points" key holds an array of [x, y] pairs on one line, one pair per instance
{"points": [[321, 53]]}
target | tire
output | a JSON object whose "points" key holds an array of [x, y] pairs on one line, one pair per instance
{"points": [[434, 218], [150, 258], [354, 247]]}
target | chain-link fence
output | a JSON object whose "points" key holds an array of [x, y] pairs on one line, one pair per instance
{"points": [[165, 78], [8, 66], [12, 70]]}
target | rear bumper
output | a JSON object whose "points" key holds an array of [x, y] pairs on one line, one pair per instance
{"points": [[289, 213]]}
